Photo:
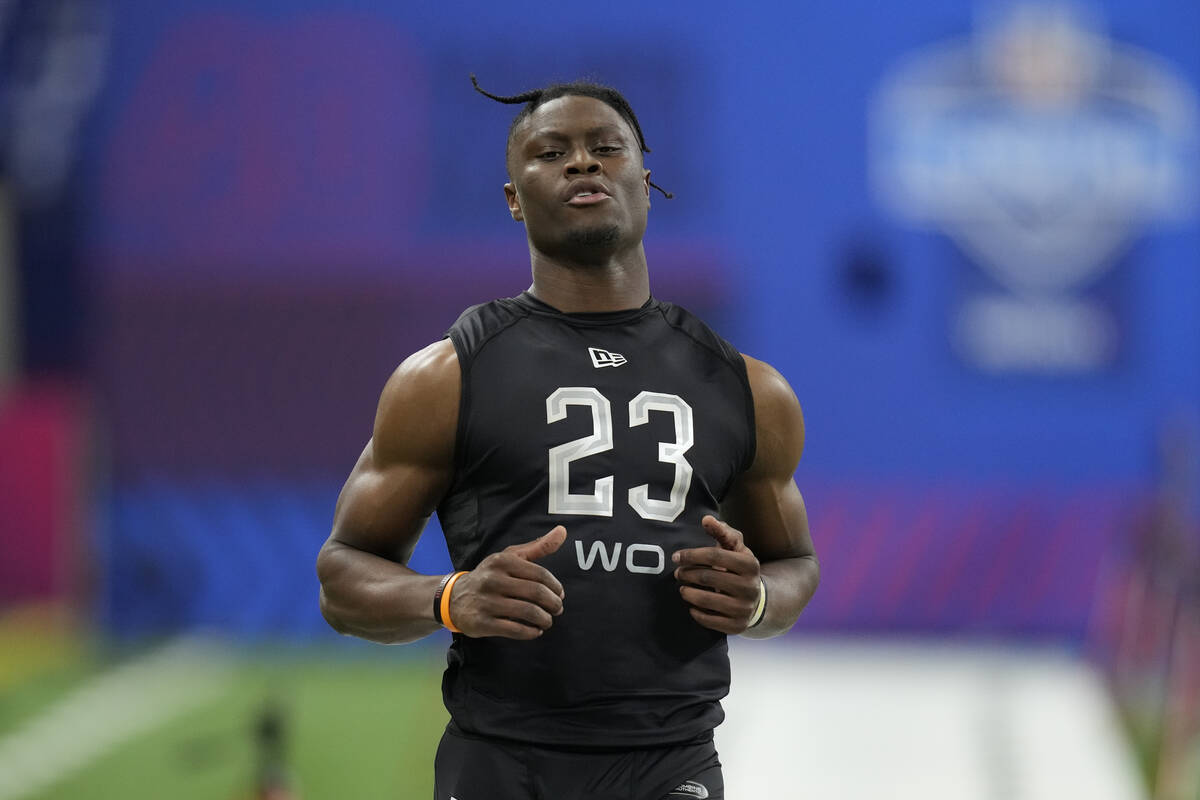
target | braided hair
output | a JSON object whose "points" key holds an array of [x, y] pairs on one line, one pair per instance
{"points": [[537, 97]]}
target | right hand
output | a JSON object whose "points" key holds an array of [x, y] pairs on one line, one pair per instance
{"points": [[508, 595]]}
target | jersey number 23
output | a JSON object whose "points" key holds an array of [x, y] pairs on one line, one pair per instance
{"points": [[600, 502]]}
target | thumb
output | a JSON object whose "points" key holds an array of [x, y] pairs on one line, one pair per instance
{"points": [[726, 537], [541, 546]]}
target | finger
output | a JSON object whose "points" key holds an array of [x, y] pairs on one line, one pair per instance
{"points": [[714, 603], [542, 546], [728, 583], [509, 564], [534, 592], [716, 622], [508, 629], [729, 538], [742, 562], [520, 611]]}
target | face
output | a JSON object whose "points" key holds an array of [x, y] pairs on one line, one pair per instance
{"points": [[578, 182]]}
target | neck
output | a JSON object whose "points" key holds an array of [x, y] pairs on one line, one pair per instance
{"points": [[616, 284]]}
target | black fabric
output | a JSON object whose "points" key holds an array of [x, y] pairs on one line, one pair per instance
{"points": [[625, 665], [476, 768]]}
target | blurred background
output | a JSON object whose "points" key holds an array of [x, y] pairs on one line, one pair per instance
{"points": [[966, 233]]}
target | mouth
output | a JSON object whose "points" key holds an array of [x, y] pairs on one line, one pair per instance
{"points": [[586, 193]]}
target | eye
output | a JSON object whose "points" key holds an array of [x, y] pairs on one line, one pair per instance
{"points": [[608, 149], [549, 155]]}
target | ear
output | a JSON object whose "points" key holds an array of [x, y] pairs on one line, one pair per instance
{"points": [[646, 180], [514, 202]]}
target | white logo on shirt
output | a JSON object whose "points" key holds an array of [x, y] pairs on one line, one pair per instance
{"points": [[603, 358]]}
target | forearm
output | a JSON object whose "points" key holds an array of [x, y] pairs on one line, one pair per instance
{"points": [[373, 598], [791, 583]]}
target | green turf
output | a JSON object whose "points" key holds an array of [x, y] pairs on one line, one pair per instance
{"points": [[24, 700], [41, 657], [361, 728]]}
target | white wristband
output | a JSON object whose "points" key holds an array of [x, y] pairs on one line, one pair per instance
{"points": [[761, 609]]}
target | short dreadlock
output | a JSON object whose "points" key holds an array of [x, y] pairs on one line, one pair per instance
{"points": [[536, 97]]}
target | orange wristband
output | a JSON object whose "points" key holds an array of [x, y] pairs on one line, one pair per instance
{"points": [[446, 621]]}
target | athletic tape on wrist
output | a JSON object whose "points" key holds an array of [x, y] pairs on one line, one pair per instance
{"points": [[760, 610], [445, 602]]}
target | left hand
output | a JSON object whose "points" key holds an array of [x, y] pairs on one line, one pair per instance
{"points": [[719, 583]]}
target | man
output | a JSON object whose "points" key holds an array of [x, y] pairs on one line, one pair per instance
{"points": [[615, 486]]}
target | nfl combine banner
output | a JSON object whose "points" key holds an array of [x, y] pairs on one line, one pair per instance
{"points": [[1043, 148]]}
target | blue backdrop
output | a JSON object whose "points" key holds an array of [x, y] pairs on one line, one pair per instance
{"points": [[308, 155]]}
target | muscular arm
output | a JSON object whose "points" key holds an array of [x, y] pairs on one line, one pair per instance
{"points": [[366, 589], [767, 508], [764, 531]]}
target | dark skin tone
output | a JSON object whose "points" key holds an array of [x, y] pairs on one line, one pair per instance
{"points": [[579, 186]]}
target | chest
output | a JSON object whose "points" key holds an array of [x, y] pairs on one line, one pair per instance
{"points": [[595, 419]]}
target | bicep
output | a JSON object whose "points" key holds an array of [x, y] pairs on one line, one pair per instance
{"points": [[771, 517], [407, 466], [764, 502], [383, 508]]}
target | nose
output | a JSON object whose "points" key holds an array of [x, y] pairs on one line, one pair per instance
{"points": [[581, 161]]}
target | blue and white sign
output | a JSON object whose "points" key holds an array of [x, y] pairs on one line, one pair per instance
{"points": [[1043, 149]]}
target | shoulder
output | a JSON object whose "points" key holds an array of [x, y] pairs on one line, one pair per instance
{"points": [[698, 330], [434, 364], [779, 421], [478, 324], [418, 409], [769, 386]]}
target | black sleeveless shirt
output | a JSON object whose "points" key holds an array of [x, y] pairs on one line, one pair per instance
{"points": [[627, 428]]}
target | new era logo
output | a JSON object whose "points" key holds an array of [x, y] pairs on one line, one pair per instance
{"points": [[603, 358]]}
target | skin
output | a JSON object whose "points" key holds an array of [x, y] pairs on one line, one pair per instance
{"points": [[584, 257]]}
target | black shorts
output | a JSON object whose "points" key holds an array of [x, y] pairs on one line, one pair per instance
{"points": [[476, 768]]}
